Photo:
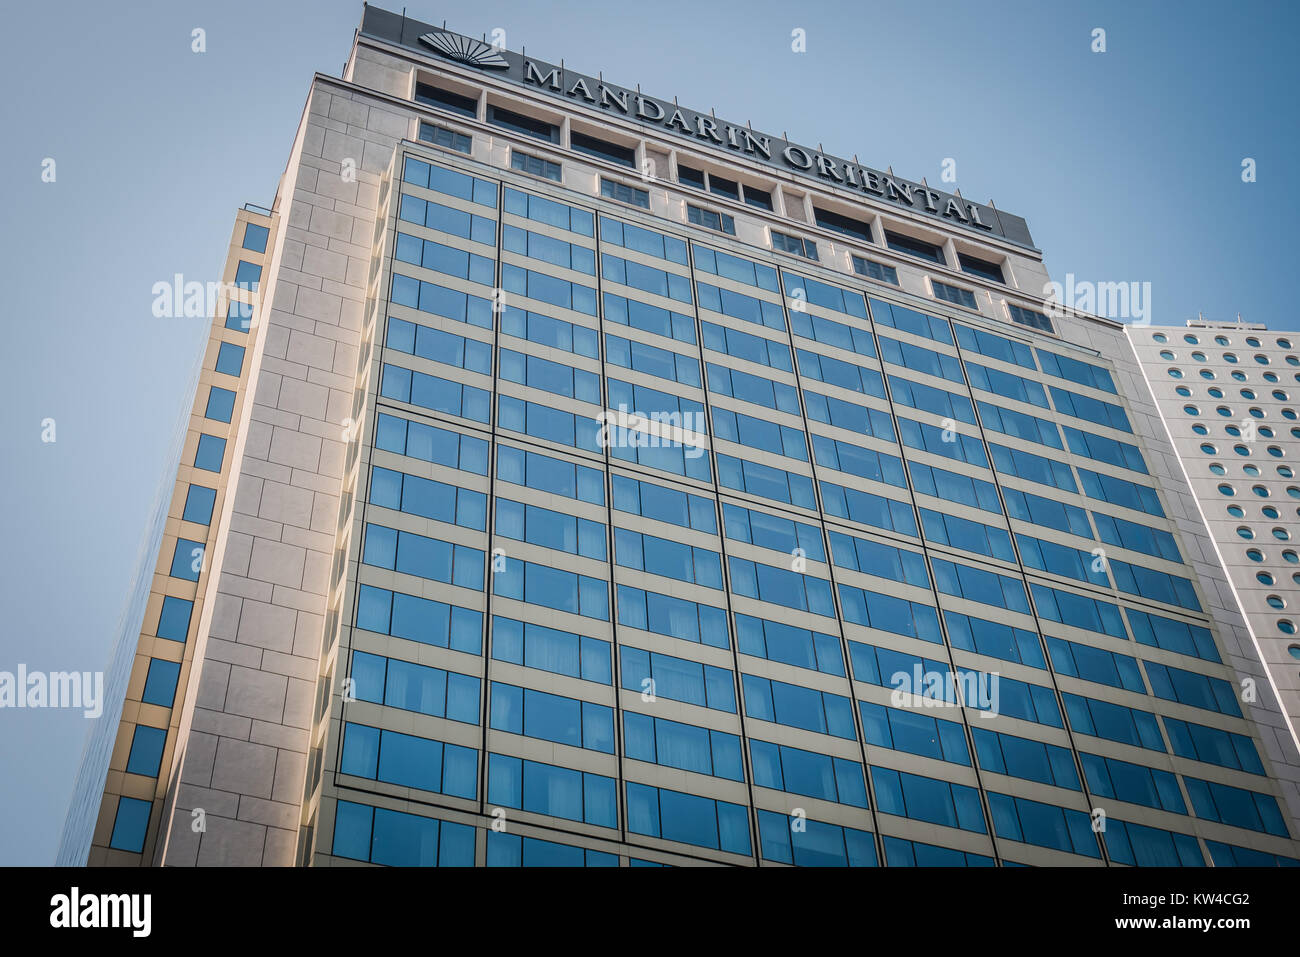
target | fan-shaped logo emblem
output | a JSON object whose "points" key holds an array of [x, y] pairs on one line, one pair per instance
{"points": [[457, 47]]}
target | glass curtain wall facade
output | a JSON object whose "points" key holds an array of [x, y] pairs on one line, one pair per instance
{"points": [[610, 644]]}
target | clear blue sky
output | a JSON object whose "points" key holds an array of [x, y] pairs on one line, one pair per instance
{"points": [[1126, 164]]}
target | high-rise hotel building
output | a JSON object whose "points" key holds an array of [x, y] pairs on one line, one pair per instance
{"points": [[591, 480]]}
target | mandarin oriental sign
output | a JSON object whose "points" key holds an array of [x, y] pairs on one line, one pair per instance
{"points": [[700, 128]]}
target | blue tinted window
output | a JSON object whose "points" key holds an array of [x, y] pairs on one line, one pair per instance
{"points": [[146, 750], [545, 331], [798, 707], [198, 504], [1143, 846], [1025, 758], [174, 619], [1113, 722], [187, 560], [239, 315], [221, 404], [548, 649], [808, 773], [552, 588], [255, 237], [927, 799], [781, 586], [995, 639], [1134, 783], [551, 790], [211, 450], [419, 619], [230, 359], [954, 487], [431, 444], [824, 294], [1213, 746], [688, 818], [909, 320], [160, 682], [1044, 825], [678, 679], [765, 481], [857, 460], [1192, 688], [130, 825], [675, 617], [248, 275], [914, 732], [429, 558], [537, 714], [409, 761], [412, 687], [683, 746], [867, 509], [546, 474], [813, 843], [743, 345]]}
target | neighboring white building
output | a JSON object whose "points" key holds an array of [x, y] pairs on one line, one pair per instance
{"points": [[1229, 394]]}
